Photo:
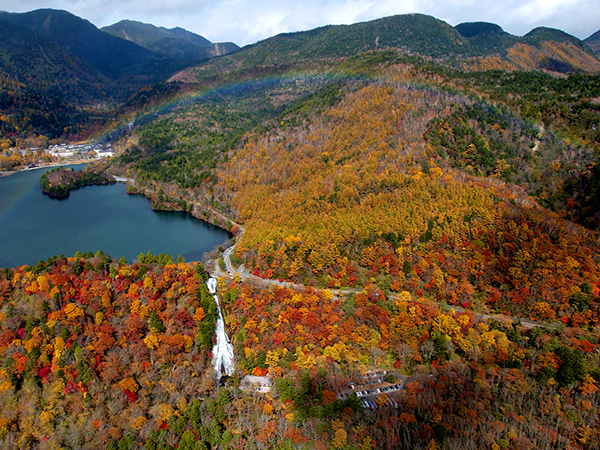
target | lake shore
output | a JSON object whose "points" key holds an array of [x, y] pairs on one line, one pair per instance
{"points": [[46, 165], [95, 218]]}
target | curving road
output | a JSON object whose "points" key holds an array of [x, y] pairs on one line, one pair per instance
{"points": [[244, 275]]}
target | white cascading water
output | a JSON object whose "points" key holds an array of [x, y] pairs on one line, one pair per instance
{"points": [[223, 350]]}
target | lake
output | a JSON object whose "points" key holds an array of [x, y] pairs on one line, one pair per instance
{"points": [[34, 226]]}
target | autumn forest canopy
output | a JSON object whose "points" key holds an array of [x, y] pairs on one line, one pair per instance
{"points": [[419, 214]]}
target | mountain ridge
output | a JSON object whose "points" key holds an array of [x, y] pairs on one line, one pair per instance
{"points": [[593, 42], [176, 43], [91, 66], [427, 36], [110, 56]]}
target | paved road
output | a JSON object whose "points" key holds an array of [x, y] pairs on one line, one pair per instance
{"points": [[227, 258]]}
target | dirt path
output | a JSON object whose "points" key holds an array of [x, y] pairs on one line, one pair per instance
{"points": [[537, 141]]}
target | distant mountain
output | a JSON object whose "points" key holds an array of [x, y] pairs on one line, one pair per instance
{"points": [[471, 29], [472, 46], [415, 33], [542, 48], [594, 42], [53, 50], [188, 35], [54, 66], [486, 38], [544, 34], [412, 33], [560, 52], [176, 43], [60, 74], [41, 86], [109, 55]]}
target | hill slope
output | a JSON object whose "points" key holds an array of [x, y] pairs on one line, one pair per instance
{"points": [[412, 33], [399, 185], [486, 38], [41, 86], [31, 57], [415, 33], [101, 63], [540, 49]]}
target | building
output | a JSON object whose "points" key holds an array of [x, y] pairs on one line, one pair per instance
{"points": [[258, 384], [105, 153]]}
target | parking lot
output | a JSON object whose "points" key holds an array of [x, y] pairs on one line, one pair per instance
{"points": [[372, 386]]}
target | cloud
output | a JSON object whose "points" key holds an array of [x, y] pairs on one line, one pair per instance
{"points": [[246, 21], [254, 23], [578, 17]]}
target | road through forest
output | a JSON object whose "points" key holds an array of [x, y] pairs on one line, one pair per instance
{"points": [[245, 275]]}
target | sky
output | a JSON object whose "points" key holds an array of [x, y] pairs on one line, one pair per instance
{"points": [[248, 21]]}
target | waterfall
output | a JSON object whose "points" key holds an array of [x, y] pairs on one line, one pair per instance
{"points": [[223, 350]]}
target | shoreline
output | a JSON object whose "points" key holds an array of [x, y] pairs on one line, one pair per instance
{"points": [[46, 165]]}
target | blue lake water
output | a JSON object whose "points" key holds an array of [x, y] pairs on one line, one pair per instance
{"points": [[34, 226]]}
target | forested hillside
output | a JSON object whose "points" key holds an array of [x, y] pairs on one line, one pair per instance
{"points": [[113, 57], [408, 184], [367, 191], [417, 255], [31, 70], [415, 34], [101, 77], [405, 187], [413, 178]]}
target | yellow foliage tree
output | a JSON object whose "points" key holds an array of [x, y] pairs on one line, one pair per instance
{"points": [[133, 289], [152, 341], [138, 422], [333, 352], [339, 438], [129, 384], [59, 346], [73, 311]]}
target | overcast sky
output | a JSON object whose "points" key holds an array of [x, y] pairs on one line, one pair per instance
{"points": [[248, 21]]}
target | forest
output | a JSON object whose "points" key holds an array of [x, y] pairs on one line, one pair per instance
{"points": [[97, 353]]}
